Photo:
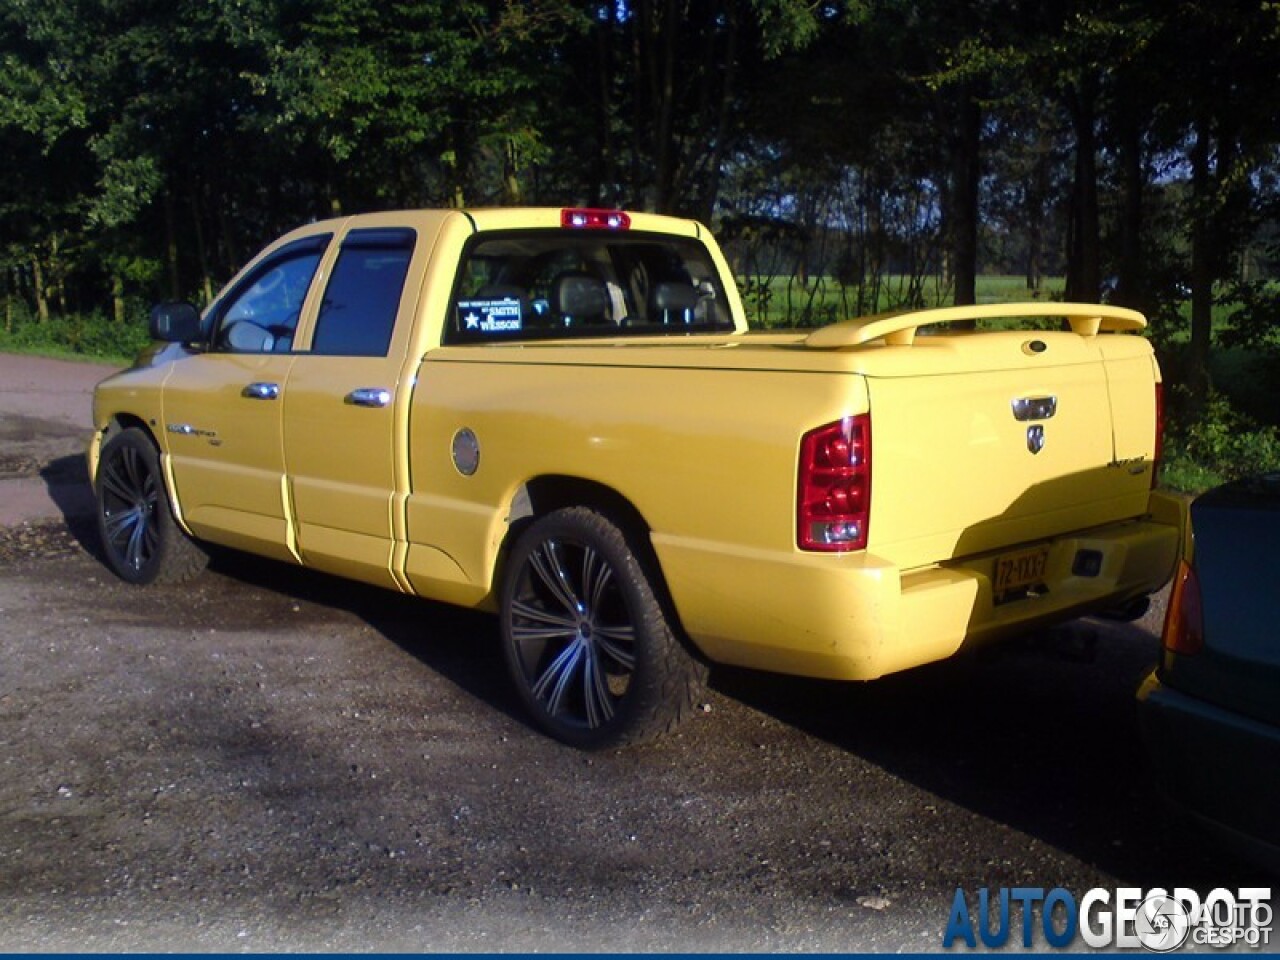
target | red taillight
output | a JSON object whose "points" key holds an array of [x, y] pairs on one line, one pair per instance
{"points": [[834, 492], [1184, 620], [1159, 453], [594, 219]]}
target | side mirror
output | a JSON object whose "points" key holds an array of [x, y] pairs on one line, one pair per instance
{"points": [[177, 322]]}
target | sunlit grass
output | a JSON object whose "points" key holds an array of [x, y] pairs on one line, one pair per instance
{"points": [[786, 302]]}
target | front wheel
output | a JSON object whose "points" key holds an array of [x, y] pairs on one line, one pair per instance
{"points": [[141, 540], [586, 638]]}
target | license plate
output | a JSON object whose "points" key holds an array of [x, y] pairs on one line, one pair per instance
{"points": [[1022, 569]]}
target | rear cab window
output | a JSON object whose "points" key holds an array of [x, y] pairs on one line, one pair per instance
{"points": [[552, 284]]}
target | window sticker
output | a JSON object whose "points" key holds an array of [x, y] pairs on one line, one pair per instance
{"points": [[490, 316]]}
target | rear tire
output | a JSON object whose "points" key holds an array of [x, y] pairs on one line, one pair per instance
{"points": [[141, 540], [586, 638]]}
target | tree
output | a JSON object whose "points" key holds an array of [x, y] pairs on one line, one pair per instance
{"points": [[1225, 94]]}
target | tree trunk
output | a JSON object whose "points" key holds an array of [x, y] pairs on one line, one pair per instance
{"points": [[201, 253], [1035, 255], [964, 209], [1201, 265], [42, 295], [117, 298], [511, 192], [230, 249], [1132, 288], [603, 191], [171, 246], [665, 109], [57, 274], [1084, 278], [460, 159], [1034, 202], [641, 186], [710, 193]]}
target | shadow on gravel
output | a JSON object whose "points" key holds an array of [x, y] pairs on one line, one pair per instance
{"points": [[460, 645], [67, 479], [1038, 734]]}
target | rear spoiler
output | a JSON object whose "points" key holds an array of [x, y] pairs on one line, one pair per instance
{"points": [[899, 329]]}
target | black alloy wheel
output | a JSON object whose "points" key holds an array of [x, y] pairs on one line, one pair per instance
{"points": [[140, 538], [587, 640]]}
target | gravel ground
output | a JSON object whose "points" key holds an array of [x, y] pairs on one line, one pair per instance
{"points": [[273, 760], [269, 759]]}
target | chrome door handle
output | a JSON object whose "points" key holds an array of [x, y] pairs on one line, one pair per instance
{"points": [[261, 391], [368, 397]]}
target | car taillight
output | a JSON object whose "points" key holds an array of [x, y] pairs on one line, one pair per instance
{"points": [[1184, 620], [834, 490], [584, 219], [1158, 454]]}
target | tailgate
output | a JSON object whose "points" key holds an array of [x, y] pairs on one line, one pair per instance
{"points": [[1000, 443]]}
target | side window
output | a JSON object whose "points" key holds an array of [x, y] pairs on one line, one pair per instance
{"points": [[261, 313], [358, 313]]}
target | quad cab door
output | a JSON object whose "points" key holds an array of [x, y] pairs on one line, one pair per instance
{"points": [[346, 409], [223, 407]]}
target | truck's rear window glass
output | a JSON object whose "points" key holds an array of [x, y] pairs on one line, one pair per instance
{"points": [[555, 284], [358, 313]]}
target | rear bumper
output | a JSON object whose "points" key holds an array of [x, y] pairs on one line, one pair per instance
{"points": [[1219, 765], [858, 617]]}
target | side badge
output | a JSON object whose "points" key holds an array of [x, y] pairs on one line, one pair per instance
{"points": [[1035, 438], [466, 452]]}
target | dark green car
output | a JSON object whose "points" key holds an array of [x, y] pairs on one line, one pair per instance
{"points": [[1210, 712]]}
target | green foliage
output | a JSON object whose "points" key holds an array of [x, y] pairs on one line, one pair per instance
{"points": [[1256, 323], [92, 336], [757, 298], [1211, 442], [855, 156], [792, 25], [126, 187]]}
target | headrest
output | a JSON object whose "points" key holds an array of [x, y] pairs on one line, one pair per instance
{"points": [[580, 295]]}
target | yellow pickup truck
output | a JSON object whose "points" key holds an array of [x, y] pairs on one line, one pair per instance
{"points": [[560, 415]]}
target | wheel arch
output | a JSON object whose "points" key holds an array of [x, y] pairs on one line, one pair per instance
{"points": [[541, 495], [120, 422], [115, 425]]}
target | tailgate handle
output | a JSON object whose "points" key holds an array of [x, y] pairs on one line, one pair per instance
{"points": [[1034, 408], [368, 397]]}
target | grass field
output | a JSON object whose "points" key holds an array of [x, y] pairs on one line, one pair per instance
{"points": [[784, 302]]}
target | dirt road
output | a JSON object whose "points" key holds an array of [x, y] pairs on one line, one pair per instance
{"points": [[272, 760], [45, 419]]}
